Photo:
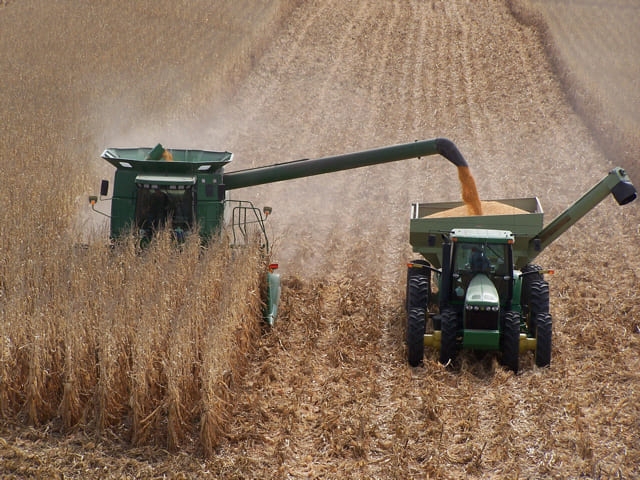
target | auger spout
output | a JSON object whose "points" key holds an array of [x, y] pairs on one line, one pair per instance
{"points": [[616, 183], [309, 167]]}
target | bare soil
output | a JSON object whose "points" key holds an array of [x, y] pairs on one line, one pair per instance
{"points": [[328, 392]]}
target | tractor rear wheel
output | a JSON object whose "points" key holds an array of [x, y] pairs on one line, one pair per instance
{"points": [[540, 321], [543, 339], [448, 338], [511, 341], [538, 302], [416, 323], [535, 305]]}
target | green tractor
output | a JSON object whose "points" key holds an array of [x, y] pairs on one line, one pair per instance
{"points": [[490, 296]]}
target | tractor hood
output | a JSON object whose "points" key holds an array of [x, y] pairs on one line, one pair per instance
{"points": [[481, 293]]}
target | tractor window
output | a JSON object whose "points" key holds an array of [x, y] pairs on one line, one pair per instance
{"points": [[480, 258], [157, 207], [472, 258]]}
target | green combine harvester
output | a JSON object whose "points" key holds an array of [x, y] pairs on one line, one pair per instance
{"points": [[490, 295]]}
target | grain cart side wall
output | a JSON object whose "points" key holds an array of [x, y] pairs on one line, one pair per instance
{"points": [[426, 233]]}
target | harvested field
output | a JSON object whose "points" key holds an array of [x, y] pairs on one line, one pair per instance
{"points": [[128, 366]]}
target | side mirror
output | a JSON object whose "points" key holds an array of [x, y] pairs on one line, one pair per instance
{"points": [[104, 188]]}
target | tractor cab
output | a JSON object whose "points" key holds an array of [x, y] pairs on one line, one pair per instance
{"points": [[481, 282]]}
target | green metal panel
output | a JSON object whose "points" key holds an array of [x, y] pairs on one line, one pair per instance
{"points": [[426, 233], [517, 292], [123, 202], [481, 339], [210, 215]]}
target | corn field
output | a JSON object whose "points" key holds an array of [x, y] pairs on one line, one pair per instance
{"points": [[122, 363]]}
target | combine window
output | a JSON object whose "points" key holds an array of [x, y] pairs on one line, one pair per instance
{"points": [[158, 206]]}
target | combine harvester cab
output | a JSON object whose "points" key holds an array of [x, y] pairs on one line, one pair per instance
{"points": [[490, 296]]}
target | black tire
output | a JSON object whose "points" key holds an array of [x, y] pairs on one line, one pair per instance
{"points": [[535, 296], [511, 341], [448, 338], [416, 324], [527, 278], [418, 285], [543, 339], [536, 304], [526, 282], [418, 288]]}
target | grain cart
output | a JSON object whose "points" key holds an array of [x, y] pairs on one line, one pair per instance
{"points": [[181, 189], [490, 295]]}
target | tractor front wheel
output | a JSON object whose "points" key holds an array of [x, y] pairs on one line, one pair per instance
{"points": [[511, 341], [448, 338], [543, 339]]}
